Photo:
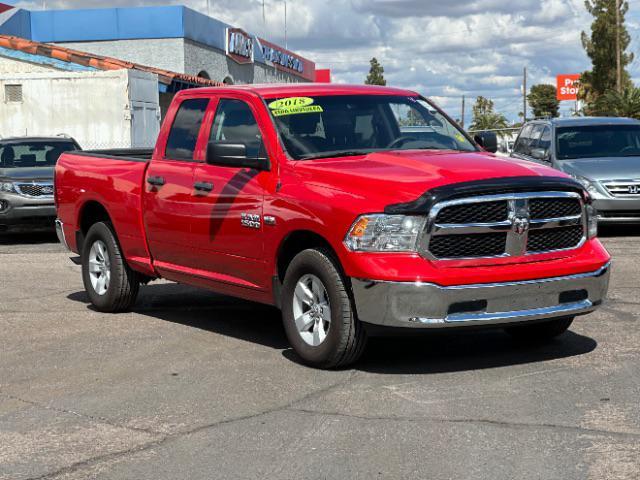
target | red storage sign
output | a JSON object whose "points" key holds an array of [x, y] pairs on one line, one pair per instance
{"points": [[568, 86]]}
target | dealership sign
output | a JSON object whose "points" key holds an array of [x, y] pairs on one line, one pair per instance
{"points": [[287, 61], [568, 87], [282, 58], [239, 45]]}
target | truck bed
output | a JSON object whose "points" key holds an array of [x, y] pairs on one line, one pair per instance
{"points": [[112, 179]]}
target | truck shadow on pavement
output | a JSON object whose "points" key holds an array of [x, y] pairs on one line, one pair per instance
{"points": [[28, 238], [425, 353], [610, 231]]}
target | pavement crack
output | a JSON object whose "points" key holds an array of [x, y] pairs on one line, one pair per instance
{"points": [[476, 421], [166, 439], [92, 418]]}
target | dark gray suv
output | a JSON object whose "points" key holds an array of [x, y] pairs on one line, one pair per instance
{"points": [[602, 153], [26, 181]]}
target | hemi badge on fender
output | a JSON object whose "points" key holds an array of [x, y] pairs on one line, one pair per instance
{"points": [[269, 220]]}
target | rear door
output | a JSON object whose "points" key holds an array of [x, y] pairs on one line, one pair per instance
{"points": [[227, 223], [168, 199]]}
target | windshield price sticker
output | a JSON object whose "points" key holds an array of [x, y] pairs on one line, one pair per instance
{"points": [[294, 106]]}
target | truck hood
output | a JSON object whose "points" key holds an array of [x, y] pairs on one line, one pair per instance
{"points": [[604, 168], [402, 176], [35, 174]]}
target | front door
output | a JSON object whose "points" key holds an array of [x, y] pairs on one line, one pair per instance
{"points": [[227, 225]]}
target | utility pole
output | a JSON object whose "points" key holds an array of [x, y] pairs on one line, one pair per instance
{"points": [[524, 96], [618, 52], [285, 25], [462, 116]]}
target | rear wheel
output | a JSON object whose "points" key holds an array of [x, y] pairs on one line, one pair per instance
{"points": [[538, 332], [319, 320], [110, 284]]}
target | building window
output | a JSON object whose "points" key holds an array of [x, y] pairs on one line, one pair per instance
{"points": [[13, 93], [228, 80], [204, 74]]}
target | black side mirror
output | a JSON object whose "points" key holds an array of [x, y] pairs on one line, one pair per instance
{"points": [[487, 140], [234, 155], [540, 154]]}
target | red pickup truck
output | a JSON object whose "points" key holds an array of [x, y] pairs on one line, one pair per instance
{"points": [[353, 209]]}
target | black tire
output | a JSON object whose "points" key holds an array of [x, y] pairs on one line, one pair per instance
{"points": [[346, 336], [124, 283], [540, 332]]}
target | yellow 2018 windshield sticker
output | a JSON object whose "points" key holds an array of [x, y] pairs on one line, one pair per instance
{"points": [[294, 106]]}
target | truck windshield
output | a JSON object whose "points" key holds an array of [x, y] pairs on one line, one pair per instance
{"points": [[598, 141], [343, 125], [31, 154]]}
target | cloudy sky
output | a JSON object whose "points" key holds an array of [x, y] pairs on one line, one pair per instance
{"points": [[442, 48]]}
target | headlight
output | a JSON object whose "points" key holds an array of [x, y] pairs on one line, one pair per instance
{"points": [[589, 185], [385, 233], [592, 221], [7, 187]]}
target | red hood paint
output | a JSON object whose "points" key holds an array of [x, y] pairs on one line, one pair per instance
{"points": [[401, 176]]}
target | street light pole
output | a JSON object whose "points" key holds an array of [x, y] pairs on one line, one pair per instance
{"points": [[285, 25], [524, 97], [618, 52]]}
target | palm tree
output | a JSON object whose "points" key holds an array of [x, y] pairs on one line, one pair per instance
{"points": [[619, 104]]}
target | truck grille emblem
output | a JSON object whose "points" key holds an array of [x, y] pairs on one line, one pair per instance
{"points": [[520, 224]]}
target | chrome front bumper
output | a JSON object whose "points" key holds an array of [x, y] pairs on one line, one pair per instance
{"points": [[617, 210], [426, 305]]}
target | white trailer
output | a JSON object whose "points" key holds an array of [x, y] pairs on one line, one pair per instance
{"points": [[101, 109]]}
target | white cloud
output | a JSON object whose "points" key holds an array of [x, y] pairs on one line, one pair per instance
{"points": [[444, 49]]}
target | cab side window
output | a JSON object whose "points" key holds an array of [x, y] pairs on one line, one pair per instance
{"points": [[185, 129], [234, 123]]}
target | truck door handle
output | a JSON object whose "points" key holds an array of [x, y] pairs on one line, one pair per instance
{"points": [[203, 187], [155, 181]]}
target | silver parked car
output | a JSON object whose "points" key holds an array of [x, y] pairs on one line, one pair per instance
{"points": [[602, 153], [26, 181]]}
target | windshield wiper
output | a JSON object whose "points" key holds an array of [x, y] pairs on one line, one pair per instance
{"points": [[336, 153]]}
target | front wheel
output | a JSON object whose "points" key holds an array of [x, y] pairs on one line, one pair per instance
{"points": [[110, 284], [319, 320], [542, 331]]}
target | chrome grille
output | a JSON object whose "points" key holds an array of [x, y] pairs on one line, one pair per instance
{"points": [[623, 188], [554, 239], [465, 246], [474, 212], [35, 189], [542, 208], [505, 225]]}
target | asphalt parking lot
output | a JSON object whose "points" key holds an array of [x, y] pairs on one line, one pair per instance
{"points": [[196, 386]]}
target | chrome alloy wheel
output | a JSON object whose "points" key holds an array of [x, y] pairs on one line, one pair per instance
{"points": [[311, 310], [99, 267]]}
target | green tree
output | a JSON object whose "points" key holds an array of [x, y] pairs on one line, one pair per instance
{"points": [[601, 48], [543, 100], [376, 73], [485, 118], [619, 104]]}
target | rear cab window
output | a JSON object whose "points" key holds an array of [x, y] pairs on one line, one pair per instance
{"points": [[185, 129]]}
